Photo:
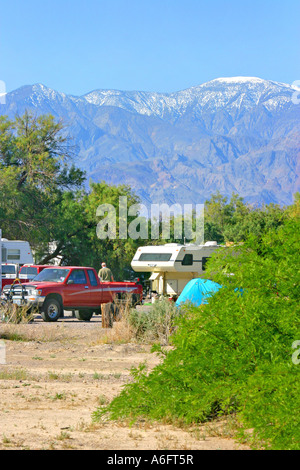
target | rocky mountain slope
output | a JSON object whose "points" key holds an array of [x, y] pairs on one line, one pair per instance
{"points": [[230, 135]]}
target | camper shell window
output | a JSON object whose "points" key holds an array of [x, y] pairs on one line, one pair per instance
{"points": [[188, 260], [155, 257], [13, 254]]}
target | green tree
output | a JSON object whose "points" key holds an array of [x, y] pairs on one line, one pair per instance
{"points": [[218, 213], [116, 252], [233, 220], [38, 151], [35, 171]]}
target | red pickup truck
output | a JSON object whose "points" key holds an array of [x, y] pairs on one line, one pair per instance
{"points": [[78, 289]]}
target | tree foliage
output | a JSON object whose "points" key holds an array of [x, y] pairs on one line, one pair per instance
{"points": [[233, 220], [35, 170]]}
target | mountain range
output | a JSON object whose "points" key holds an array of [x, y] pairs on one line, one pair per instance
{"points": [[232, 135]]}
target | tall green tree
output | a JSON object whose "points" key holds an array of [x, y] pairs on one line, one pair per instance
{"points": [[115, 251], [233, 220], [39, 152], [35, 171]]}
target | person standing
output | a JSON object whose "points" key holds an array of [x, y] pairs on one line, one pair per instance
{"points": [[105, 274]]}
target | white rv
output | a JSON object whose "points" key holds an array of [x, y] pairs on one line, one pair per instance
{"points": [[15, 252], [172, 265]]}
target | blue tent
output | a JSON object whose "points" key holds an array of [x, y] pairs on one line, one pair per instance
{"points": [[197, 291]]}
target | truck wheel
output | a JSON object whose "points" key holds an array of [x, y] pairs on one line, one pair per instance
{"points": [[83, 315], [51, 310]]}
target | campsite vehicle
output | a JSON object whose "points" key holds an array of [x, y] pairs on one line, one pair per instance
{"points": [[77, 289], [29, 271], [9, 273], [16, 252], [172, 265]]}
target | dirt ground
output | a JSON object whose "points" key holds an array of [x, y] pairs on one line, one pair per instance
{"points": [[57, 375]]}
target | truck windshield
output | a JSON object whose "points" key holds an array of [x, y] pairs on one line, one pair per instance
{"points": [[52, 275], [8, 269]]}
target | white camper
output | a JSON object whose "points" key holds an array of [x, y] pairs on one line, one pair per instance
{"points": [[15, 252], [172, 265]]}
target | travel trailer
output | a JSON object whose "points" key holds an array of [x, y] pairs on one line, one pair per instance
{"points": [[15, 252], [172, 265]]}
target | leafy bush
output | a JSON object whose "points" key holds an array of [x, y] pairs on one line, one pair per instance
{"points": [[234, 354]]}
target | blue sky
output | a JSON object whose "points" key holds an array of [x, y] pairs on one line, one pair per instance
{"points": [[152, 45]]}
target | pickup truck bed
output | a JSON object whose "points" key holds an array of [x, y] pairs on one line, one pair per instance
{"points": [[73, 288]]}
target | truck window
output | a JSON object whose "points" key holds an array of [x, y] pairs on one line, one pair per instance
{"points": [[92, 278], [28, 270], [78, 276], [187, 260], [8, 269]]}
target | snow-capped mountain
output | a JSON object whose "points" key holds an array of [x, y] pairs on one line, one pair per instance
{"points": [[237, 134], [224, 93]]}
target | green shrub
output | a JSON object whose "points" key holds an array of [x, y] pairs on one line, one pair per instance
{"points": [[156, 324], [234, 354]]}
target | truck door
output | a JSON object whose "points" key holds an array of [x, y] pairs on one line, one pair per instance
{"points": [[96, 289], [77, 290]]}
